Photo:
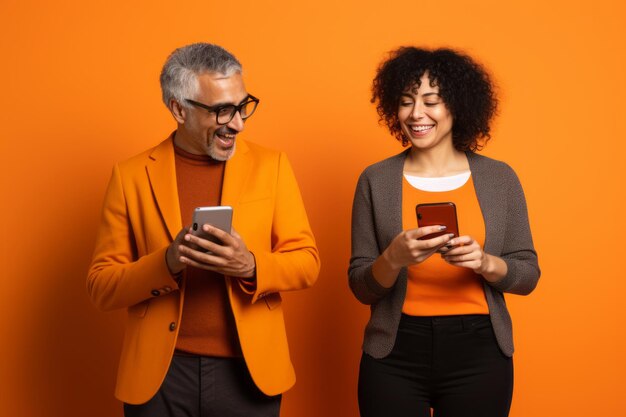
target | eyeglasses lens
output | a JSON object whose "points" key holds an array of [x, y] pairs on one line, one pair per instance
{"points": [[226, 113]]}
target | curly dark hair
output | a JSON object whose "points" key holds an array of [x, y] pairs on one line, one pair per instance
{"points": [[464, 86]]}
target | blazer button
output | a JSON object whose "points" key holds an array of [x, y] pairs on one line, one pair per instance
{"points": [[172, 326], [167, 289], [156, 293]]}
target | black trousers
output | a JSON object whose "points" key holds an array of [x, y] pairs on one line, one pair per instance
{"points": [[200, 386], [451, 364]]}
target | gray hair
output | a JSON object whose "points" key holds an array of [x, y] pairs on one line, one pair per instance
{"points": [[179, 74]]}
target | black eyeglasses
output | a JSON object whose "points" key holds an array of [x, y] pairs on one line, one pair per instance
{"points": [[225, 113]]}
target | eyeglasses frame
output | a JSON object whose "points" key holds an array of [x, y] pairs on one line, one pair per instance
{"points": [[217, 109]]}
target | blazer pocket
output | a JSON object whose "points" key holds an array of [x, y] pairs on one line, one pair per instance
{"points": [[273, 300], [139, 310]]}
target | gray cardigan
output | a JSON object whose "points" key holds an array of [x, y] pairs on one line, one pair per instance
{"points": [[377, 219]]}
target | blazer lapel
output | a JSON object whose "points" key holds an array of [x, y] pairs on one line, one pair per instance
{"points": [[161, 170], [236, 175]]}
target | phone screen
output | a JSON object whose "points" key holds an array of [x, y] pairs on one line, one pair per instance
{"points": [[442, 214]]}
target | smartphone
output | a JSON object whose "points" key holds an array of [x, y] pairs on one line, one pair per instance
{"points": [[217, 216], [443, 214]]}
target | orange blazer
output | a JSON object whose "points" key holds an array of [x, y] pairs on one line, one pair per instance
{"points": [[141, 216]]}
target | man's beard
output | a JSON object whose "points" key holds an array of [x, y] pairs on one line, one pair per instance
{"points": [[214, 152]]}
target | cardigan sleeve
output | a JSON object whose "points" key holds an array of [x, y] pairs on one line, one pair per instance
{"points": [[365, 247], [518, 251]]}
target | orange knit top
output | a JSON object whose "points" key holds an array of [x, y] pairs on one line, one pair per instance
{"points": [[434, 287]]}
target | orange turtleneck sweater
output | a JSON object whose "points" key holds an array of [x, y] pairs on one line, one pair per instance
{"points": [[207, 327]]}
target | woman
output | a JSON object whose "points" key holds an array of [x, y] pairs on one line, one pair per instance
{"points": [[439, 336]]}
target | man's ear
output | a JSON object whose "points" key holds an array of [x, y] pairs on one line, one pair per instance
{"points": [[179, 112]]}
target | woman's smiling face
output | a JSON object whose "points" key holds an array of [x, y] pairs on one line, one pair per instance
{"points": [[423, 116]]}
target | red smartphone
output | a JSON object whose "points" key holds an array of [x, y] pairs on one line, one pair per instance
{"points": [[443, 214]]}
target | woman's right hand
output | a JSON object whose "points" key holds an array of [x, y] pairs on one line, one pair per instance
{"points": [[406, 249]]}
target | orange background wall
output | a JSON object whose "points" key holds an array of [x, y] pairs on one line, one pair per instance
{"points": [[80, 92]]}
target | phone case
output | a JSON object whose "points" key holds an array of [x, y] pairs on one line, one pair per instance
{"points": [[218, 216], [443, 214]]}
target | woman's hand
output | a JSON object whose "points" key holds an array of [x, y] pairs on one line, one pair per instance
{"points": [[465, 252], [404, 250]]}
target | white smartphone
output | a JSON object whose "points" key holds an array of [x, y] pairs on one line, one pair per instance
{"points": [[217, 216]]}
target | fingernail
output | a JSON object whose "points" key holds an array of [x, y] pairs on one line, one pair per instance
{"points": [[450, 235], [442, 228]]}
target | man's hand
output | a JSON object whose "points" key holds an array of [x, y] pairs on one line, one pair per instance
{"points": [[231, 258], [173, 254]]}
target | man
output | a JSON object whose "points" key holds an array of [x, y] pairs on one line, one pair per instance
{"points": [[205, 333]]}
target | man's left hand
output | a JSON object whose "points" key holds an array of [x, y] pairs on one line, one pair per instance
{"points": [[231, 258]]}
